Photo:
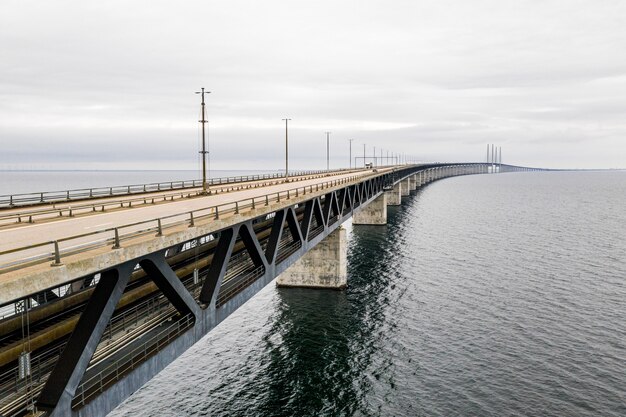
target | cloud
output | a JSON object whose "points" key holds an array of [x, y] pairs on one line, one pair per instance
{"points": [[111, 83]]}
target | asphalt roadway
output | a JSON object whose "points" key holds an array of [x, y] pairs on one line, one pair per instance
{"points": [[21, 235]]}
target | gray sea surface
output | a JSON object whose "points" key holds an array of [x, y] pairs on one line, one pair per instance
{"points": [[485, 295], [21, 182]]}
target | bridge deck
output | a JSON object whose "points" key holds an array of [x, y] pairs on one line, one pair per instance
{"points": [[25, 214], [19, 282]]}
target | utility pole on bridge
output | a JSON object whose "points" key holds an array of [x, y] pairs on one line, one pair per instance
{"points": [[350, 140], [286, 151], [328, 151], [204, 150]]}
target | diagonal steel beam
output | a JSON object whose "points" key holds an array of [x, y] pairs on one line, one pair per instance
{"points": [[218, 266], [305, 225], [364, 196], [292, 223], [252, 245], [275, 234], [328, 204], [168, 282], [335, 209], [342, 200], [349, 201], [56, 395], [318, 213]]}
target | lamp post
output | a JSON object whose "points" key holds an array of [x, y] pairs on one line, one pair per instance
{"points": [[363, 156], [328, 151], [204, 151], [286, 151], [350, 140]]}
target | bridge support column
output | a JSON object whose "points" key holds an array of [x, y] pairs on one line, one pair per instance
{"points": [[324, 266], [404, 188], [374, 213], [393, 196], [412, 183]]}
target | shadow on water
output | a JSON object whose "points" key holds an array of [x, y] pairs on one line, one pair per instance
{"points": [[321, 345]]}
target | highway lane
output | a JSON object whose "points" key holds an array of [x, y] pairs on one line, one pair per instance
{"points": [[44, 232], [39, 211]]}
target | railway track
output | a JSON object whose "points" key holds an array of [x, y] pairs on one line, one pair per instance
{"points": [[142, 305]]}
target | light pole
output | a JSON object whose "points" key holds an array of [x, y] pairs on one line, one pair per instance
{"points": [[350, 140], [286, 151], [328, 151], [363, 156], [204, 151]]}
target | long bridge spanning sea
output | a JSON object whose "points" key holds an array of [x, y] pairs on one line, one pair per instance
{"points": [[100, 289]]}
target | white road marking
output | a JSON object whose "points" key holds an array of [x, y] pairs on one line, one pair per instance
{"points": [[97, 225]]}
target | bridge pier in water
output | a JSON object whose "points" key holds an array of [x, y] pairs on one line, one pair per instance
{"points": [[404, 188], [394, 197], [375, 213], [324, 266]]}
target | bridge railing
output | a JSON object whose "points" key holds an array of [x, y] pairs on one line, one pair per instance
{"points": [[29, 215], [56, 250], [13, 200], [112, 373]]}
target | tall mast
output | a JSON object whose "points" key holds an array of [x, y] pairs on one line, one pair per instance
{"points": [[286, 151], [204, 150]]}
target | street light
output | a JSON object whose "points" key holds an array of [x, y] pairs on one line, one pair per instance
{"points": [[204, 152], [350, 140], [286, 151], [374, 156], [328, 151], [363, 156]]}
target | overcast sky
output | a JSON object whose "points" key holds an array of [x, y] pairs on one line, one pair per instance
{"points": [[110, 84]]}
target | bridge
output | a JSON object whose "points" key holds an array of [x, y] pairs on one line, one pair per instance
{"points": [[100, 289]]}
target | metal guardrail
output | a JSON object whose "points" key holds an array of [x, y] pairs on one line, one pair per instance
{"points": [[112, 373], [30, 215], [115, 236], [232, 287], [13, 200]]}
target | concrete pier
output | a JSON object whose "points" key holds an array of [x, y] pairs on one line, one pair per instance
{"points": [[394, 198], [324, 266], [374, 213], [404, 188], [412, 182]]}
